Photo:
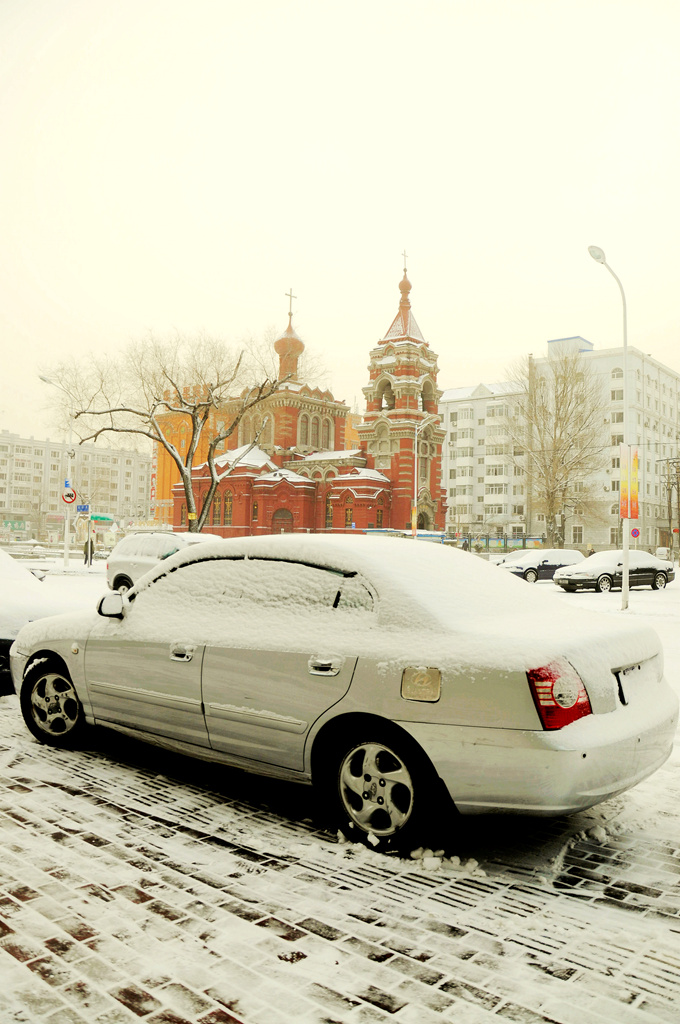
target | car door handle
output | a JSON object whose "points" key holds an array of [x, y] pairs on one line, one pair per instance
{"points": [[181, 652], [325, 666]]}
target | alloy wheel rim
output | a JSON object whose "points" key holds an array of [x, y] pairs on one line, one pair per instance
{"points": [[54, 705], [376, 789]]}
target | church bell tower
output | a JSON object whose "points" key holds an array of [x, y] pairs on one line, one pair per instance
{"points": [[401, 434]]}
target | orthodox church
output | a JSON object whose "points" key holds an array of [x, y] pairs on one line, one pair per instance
{"points": [[301, 477]]}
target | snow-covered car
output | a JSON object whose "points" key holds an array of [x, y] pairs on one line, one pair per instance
{"points": [[542, 563], [24, 597], [508, 556], [603, 571], [138, 552], [401, 679]]}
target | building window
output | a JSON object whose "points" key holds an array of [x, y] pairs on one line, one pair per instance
{"points": [[617, 395], [228, 507], [577, 535], [379, 518], [183, 515], [304, 430], [617, 373], [348, 517], [216, 509], [326, 435], [255, 511], [315, 432], [329, 514]]}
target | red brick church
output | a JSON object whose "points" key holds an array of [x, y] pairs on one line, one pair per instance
{"points": [[301, 477]]}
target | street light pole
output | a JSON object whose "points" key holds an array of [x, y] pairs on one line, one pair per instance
{"points": [[69, 456], [599, 256]]}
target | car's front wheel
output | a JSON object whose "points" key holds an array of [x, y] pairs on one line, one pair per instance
{"points": [[604, 584], [384, 792], [531, 575], [659, 581], [50, 706], [122, 584]]}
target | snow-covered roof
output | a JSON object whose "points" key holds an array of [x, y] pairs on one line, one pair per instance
{"points": [[283, 474], [404, 326], [343, 453], [497, 390], [363, 474], [246, 455]]}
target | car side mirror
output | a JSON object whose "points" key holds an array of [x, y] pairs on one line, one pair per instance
{"points": [[112, 606]]}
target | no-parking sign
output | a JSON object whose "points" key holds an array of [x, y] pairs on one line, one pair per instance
{"points": [[635, 532]]}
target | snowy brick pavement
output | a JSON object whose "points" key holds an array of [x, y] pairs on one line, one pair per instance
{"points": [[137, 886]]}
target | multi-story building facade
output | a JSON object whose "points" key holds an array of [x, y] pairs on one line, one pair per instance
{"points": [[487, 483], [32, 475]]}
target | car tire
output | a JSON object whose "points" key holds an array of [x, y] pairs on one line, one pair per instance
{"points": [[659, 581], [50, 706], [122, 584], [604, 584], [531, 575], [382, 791]]}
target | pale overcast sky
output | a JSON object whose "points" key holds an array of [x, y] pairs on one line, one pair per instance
{"points": [[167, 164]]}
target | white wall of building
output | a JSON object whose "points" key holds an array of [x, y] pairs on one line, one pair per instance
{"points": [[486, 492], [32, 474]]}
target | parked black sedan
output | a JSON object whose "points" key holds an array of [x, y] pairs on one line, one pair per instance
{"points": [[604, 571]]}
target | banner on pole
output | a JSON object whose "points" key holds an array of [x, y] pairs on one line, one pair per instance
{"points": [[628, 488]]}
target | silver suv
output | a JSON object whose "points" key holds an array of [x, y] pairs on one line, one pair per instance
{"points": [[138, 552]]}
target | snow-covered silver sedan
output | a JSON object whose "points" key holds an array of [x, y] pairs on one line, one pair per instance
{"points": [[401, 678]]}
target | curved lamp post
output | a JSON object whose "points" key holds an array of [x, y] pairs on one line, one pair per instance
{"points": [[599, 256], [69, 456]]}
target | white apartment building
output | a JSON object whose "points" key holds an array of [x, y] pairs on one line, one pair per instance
{"points": [[486, 488], [32, 475]]}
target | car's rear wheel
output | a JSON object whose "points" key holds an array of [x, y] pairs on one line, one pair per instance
{"points": [[122, 584], [531, 575], [50, 706], [604, 584], [384, 792], [659, 581]]}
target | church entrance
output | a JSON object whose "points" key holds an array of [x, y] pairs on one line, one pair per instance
{"points": [[282, 521], [423, 521]]}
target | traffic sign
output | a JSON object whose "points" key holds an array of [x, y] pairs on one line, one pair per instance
{"points": [[68, 495], [635, 532], [82, 508]]}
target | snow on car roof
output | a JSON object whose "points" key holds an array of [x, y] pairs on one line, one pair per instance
{"points": [[444, 603]]}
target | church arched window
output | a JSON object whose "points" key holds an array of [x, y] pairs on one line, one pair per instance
{"points": [[228, 507], [315, 432], [304, 429], [216, 509], [326, 435]]}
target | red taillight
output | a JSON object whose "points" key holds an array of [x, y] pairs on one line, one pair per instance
{"points": [[559, 694]]}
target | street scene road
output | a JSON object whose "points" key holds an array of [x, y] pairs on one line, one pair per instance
{"points": [[140, 885]]}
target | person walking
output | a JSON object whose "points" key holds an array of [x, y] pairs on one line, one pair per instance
{"points": [[88, 551]]}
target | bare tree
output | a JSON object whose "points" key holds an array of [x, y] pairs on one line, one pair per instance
{"points": [[154, 383], [558, 436]]}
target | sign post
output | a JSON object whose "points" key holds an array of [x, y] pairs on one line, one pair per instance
{"points": [[68, 496]]}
